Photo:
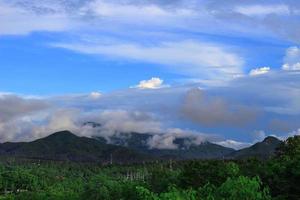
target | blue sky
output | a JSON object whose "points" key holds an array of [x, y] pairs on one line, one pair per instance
{"points": [[172, 61]]}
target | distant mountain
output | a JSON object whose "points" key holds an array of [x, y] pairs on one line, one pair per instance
{"points": [[92, 124], [66, 146], [126, 148], [185, 150], [263, 150]]}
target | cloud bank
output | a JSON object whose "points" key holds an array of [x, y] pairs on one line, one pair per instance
{"points": [[168, 113]]}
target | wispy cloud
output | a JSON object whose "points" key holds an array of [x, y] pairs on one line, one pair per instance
{"points": [[262, 10], [186, 57]]}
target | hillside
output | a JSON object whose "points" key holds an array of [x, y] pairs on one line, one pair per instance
{"points": [[66, 146], [127, 148], [139, 142], [262, 150]]}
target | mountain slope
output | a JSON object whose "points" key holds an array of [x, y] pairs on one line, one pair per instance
{"points": [[263, 150], [66, 146], [185, 150], [127, 148]]}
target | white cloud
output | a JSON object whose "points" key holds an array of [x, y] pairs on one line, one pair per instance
{"points": [[258, 10], [153, 83], [292, 59], [18, 20], [187, 57], [163, 141], [12, 107], [259, 71], [115, 121], [157, 111], [95, 95], [125, 18], [259, 18], [259, 135], [293, 133], [233, 144], [134, 11]]}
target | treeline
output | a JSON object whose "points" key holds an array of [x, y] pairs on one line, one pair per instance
{"points": [[252, 179]]}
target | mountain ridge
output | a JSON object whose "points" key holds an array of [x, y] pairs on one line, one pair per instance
{"points": [[66, 146], [262, 150]]}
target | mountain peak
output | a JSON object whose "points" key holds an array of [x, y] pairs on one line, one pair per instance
{"points": [[271, 139], [62, 134], [263, 149], [66, 146]]}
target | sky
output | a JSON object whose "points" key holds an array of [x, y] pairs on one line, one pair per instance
{"points": [[221, 71]]}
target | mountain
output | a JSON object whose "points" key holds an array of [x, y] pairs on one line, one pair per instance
{"points": [[65, 146], [185, 149], [263, 150], [127, 148]]}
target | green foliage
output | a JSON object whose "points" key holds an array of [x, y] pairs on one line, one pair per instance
{"points": [[197, 174], [161, 178], [290, 148], [277, 178], [243, 188], [284, 172], [234, 189], [145, 194]]}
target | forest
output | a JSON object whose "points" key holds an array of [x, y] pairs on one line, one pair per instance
{"points": [[250, 179]]}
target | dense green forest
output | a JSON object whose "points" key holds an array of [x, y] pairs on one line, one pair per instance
{"points": [[251, 179]]}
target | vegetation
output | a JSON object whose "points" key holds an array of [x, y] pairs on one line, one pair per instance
{"points": [[252, 179]]}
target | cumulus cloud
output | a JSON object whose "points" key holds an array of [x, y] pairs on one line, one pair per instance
{"points": [[152, 83], [12, 107], [115, 121], [162, 142], [292, 59], [95, 95], [217, 110], [24, 119], [36, 125], [259, 71], [166, 140], [28, 120], [214, 111]]}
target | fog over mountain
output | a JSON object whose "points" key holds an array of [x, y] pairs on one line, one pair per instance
{"points": [[168, 113]]}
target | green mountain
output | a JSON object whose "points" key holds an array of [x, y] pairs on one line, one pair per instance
{"points": [[126, 148], [65, 146], [262, 150], [185, 150]]}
